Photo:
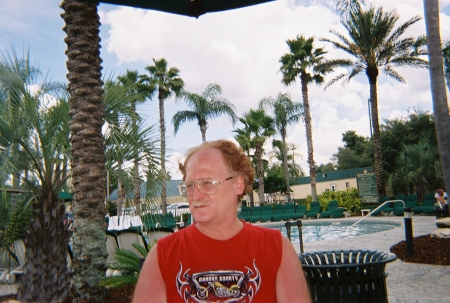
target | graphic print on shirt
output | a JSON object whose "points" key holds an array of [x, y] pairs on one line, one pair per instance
{"points": [[219, 286]]}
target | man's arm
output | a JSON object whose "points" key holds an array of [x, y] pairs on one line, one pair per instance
{"points": [[290, 282], [150, 287]]}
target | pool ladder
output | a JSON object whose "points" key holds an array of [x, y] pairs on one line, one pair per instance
{"points": [[382, 204]]}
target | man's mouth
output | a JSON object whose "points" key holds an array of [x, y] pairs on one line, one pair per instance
{"points": [[198, 204]]}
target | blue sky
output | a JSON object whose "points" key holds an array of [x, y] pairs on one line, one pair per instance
{"points": [[237, 49]]}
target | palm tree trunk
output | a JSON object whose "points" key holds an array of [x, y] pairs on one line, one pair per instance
{"points": [[260, 172], [309, 139], [378, 157], [137, 178], [438, 92], [119, 195], [162, 129], [45, 275], [203, 131], [285, 165], [88, 167]]}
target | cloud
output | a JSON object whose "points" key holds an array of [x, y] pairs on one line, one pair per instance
{"points": [[240, 50]]}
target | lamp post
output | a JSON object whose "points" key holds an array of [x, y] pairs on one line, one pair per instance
{"points": [[293, 148], [409, 233]]}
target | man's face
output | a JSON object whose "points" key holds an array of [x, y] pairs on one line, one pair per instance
{"points": [[212, 208]]}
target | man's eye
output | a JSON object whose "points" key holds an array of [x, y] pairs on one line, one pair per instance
{"points": [[209, 182]]}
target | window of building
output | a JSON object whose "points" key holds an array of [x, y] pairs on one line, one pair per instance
{"points": [[333, 187], [347, 184]]}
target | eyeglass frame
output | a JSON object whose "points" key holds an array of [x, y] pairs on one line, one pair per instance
{"points": [[194, 183]]}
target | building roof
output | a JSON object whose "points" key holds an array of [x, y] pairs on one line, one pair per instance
{"points": [[171, 191], [333, 176]]}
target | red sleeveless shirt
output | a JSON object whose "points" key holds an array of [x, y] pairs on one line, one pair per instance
{"points": [[196, 268]]}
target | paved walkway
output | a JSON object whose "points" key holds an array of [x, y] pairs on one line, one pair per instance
{"points": [[406, 282]]}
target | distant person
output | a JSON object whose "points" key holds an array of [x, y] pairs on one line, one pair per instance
{"points": [[441, 197], [220, 258]]}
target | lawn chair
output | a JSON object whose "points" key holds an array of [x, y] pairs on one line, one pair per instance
{"points": [[256, 214], [155, 234], [245, 213], [314, 210], [278, 212], [289, 211], [266, 214], [125, 239], [300, 212], [332, 205]]}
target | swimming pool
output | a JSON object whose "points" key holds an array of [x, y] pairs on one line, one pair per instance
{"points": [[318, 231]]}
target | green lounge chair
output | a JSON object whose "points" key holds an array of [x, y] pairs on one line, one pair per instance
{"points": [[411, 201], [338, 212], [245, 213], [256, 214], [300, 212], [278, 212], [427, 207], [266, 214], [289, 211], [332, 205], [314, 210], [169, 220]]}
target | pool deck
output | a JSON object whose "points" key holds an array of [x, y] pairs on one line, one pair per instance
{"points": [[406, 282]]}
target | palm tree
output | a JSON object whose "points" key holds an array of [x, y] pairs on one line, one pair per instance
{"points": [[301, 63], [88, 164], [345, 6], [260, 127], [205, 106], [124, 134], [243, 137], [376, 46], [446, 57], [167, 82], [295, 170], [34, 147], [136, 93], [438, 91], [417, 168], [285, 112]]}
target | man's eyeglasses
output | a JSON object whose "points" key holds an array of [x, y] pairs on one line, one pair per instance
{"points": [[206, 186]]}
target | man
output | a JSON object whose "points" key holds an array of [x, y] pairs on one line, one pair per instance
{"points": [[220, 258]]}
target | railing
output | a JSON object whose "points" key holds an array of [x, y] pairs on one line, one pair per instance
{"points": [[375, 209]]}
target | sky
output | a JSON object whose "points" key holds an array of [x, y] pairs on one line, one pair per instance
{"points": [[238, 49]]}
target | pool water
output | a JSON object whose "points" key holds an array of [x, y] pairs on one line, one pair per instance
{"points": [[315, 231]]}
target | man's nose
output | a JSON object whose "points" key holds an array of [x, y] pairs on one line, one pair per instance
{"points": [[196, 192]]}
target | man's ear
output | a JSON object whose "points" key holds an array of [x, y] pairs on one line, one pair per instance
{"points": [[240, 184]]}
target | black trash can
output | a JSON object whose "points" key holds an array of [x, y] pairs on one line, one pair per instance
{"points": [[347, 276]]}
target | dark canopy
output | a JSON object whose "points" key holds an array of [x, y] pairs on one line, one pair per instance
{"points": [[192, 8]]}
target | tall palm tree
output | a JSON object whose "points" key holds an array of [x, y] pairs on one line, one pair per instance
{"points": [[446, 57], [136, 93], [34, 146], [345, 6], [301, 63], [417, 168], [124, 134], [438, 91], [376, 46], [295, 170], [285, 112], [243, 137], [260, 127], [205, 106], [167, 83], [88, 164]]}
